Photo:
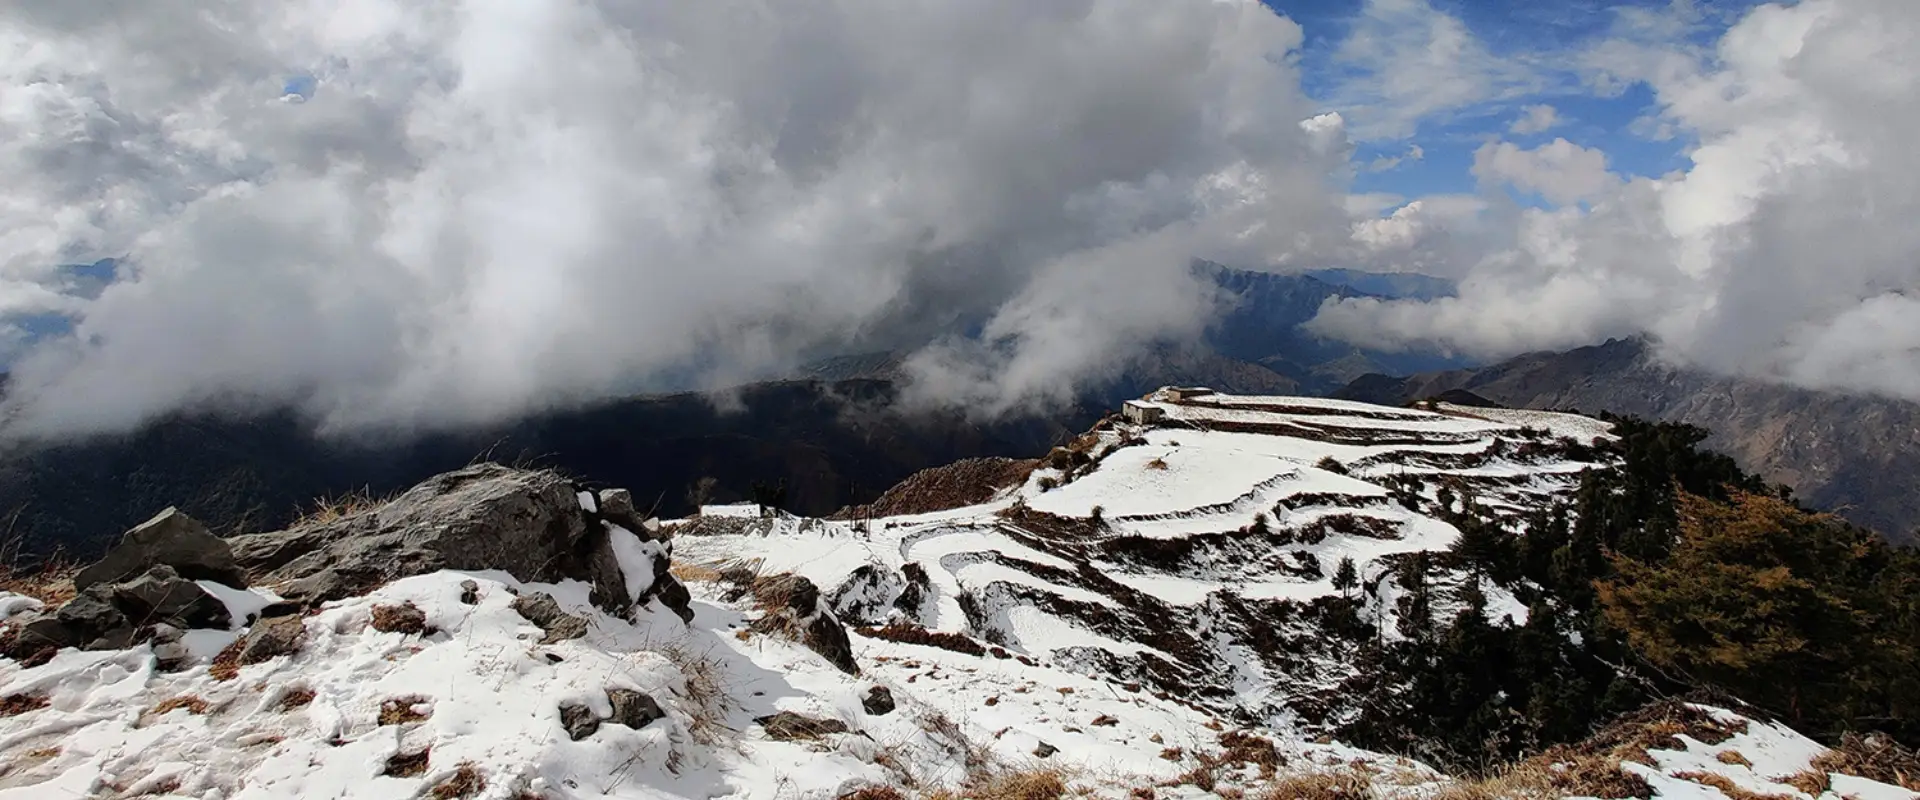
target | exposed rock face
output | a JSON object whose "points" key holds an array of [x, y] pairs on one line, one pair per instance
{"points": [[867, 596], [541, 609], [526, 523], [172, 539]]}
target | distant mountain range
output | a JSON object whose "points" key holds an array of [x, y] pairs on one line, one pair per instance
{"points": [[1858, 456], [1256, 347]]}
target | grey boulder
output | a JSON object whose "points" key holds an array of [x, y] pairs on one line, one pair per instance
{"points": [[172, 539]]}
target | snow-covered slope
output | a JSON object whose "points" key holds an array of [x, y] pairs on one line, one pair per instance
{"points": [[1180, 554], [1141, 617]]}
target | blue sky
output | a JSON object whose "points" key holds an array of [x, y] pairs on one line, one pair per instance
{"points": [[1532, 50]]}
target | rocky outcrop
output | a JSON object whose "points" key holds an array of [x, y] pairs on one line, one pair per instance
{"points": [[791, 604], [528, 523], [172, 539], [118, 615]]}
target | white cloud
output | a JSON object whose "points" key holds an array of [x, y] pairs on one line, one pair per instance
{"points": [[1786, 250], [1562, 172], [1410, 62], [1384, 163], [1535, 119], [483, 208]]}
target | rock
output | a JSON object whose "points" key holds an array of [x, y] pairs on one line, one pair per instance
{"points": [[40, 635], [172, 539], [541, 609], [169, 653], [630, 708], [1044, 750], [787, 726], [867, 596], [271, 638], [95, 621], [616, 506], [878, 702], [633, 709], [470, 592], [163, 596], [579, 720], [792, 604], [527, 523]]}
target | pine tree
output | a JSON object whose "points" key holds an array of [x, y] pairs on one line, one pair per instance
{"points": [[1345, 576]]}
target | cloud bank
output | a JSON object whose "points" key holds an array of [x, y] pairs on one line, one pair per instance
{"points": [[1786, 250], [394, 213]]}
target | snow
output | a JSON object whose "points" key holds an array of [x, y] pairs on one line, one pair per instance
{"points": [[12, 604], [588, 502], [1585, 429], [242, 604], [732, 510], [636, 558]]}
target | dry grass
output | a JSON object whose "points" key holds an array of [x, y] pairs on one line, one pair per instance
{"points": [[1727, 787], [1874, 757], [405, 618], [706, 696], [1592, 768], [43, 752], [874, 793], [327, 510], [14, 705], [1342, 785], [465, 782], [193, 703], [50, 583], [689, 572], [1732, 757], [407, 765], [906, 633], [1158, 463], [1033, 784], [402, 710], [295, 698], [226, 663]]}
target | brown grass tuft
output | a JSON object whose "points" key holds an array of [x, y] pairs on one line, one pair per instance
{"points": [[1874, 757], [908, 633], [874, 793], [706, 696], [465, 782], [194, 704], [407, 765], [401, 710], [1343, 785], [50, 583], [1158, 463], [1732, 757], [226, 663], [296, 698], [403, 618], [1035, 784], [43, 752], [1727, 786], [1815, 781], [694, 573], [14, 705], [332, 509]]}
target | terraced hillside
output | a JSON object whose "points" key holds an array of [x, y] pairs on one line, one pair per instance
{"points": [[1203, 554]]}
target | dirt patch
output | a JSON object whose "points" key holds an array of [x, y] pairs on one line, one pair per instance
{"points": [[407, 765], [14, 705], [404, 618]]}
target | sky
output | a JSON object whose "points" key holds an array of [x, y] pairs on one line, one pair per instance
{"points": [[391, 214]]}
